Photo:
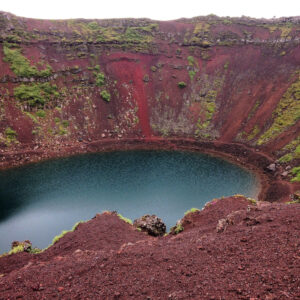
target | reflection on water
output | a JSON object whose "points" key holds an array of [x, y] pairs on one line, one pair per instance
{"points": [[38, 201]]}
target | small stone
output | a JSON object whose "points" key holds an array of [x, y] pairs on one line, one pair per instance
{"points": [[271, 167], [221, 226], [60, 288]]}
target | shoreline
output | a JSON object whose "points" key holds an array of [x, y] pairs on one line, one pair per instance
{"points": [[271, 187]]}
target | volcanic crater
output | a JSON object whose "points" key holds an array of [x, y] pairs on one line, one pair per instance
{"points": [[229, 87]]}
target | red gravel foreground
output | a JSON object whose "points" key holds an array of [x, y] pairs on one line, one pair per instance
{"points": [[229, 250]]}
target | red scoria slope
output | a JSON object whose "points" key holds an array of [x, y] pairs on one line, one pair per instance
{"points": [[253, 255]]}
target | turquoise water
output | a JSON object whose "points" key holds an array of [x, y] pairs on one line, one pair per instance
{"points": [[38, 201]]}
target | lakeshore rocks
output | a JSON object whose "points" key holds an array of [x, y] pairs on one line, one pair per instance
{"points": [[27, 245], [151, 224]]}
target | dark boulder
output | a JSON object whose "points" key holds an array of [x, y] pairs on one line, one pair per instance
{"points": [[151, 224]]}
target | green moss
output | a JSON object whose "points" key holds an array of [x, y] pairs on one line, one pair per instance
{"points": [[296, 172], [32, 117], [286, 158], [105, 95], [41, 113], [93, 25], [76, 225], [226, 65], [97, 68], [208, 108], [192, 74], [65, 123], [284, 30], [153, 69], [62, 234], [177, 229], [227, 21], [181, 84], [292, 151], [191, 60], [252, 201], [10, 136], [36, 94], [253, 109], [255, 131], [132, 34], [192, 210], [62, 130], [17, 249], [286, 114], [12, 38], [100, 78], [201, 28], [125, 219], [58, 237], [21, 66], [293, 202]]}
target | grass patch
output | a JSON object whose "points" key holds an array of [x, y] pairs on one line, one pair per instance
{"points": [[21, 66], [286, 114], [191, 60], [177, 229], [127, 220], [286, 158], [100, 78], [16, 249], [252, 201], [296, 172], [32, 117], [192, 74], [181, 84], [10, 134], [63, 233], [192, 210], [105, 95], [41, 113], [65, 123], [36, 94], [58, 237]]}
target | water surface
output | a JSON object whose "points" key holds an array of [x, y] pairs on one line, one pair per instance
{"points": [[38, 201]]}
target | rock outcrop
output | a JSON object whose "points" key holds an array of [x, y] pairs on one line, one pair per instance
{"points": [[151, 224]]}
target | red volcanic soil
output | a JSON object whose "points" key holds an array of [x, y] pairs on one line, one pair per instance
{"points": [[107, 258], [237, 73]]}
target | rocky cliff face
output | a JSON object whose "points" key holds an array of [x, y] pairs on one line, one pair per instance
{"points": [[230, 80]]}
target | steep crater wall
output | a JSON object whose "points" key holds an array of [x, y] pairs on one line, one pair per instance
{"points": [[223, 85]]}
